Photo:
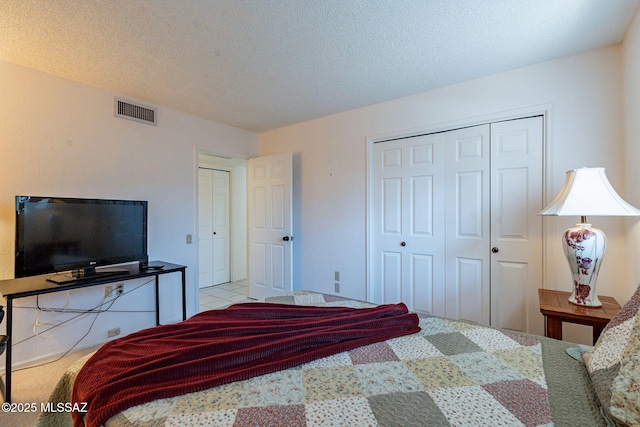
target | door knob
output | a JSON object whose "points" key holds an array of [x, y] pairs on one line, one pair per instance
{"points": [[403, 244], [495, 250], [214, 233], [287, 238]]}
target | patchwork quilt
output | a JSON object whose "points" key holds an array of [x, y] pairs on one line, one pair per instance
{"points": [[451, 373]]}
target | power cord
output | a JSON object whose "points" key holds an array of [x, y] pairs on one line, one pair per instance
{"points": [[72, 347], [95, 310]]}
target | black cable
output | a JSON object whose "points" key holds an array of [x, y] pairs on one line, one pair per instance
{"points": [[72, 347], [92, 310]]}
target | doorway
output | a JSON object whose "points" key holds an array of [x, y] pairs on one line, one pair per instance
{"points": [[222, 257]]}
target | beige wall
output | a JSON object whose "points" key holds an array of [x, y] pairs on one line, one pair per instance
{"points": [[583, 95], [60, 138]]}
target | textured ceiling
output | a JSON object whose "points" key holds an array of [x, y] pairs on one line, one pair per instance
{"points": [[260, 65]]}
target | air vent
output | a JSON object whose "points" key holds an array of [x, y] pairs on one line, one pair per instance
{"points": [[127, 110]]}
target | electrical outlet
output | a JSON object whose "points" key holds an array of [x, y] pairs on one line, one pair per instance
{"points": [[336, 276], [119, 289], [189, 239], [113, 332], [337, 286], [108, 291]]}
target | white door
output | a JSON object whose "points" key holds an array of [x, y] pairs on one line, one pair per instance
{"points": [[270, 231], [409, 222], [467, 229], [516, 227], [214, 227], [485, 182]]}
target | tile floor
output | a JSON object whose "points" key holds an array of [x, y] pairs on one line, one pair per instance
{"points": [[223, 295]]}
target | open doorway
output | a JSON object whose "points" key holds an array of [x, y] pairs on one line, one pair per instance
{"points": [[221, 234]]}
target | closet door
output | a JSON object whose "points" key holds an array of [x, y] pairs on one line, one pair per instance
{"points": [[205, 228], [456, 230], [409, 223], [221, 228], [467, 243], [516, 227], [214, 227]]}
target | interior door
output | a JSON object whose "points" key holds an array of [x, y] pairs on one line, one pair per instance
{"points": [[409, 222], [516, 227], [270, 229], [214, 227]]}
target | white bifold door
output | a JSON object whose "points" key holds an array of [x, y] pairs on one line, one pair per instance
{"points": [[455, 225], [214, 227]]}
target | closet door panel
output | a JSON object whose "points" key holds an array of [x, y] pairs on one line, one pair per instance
{"points": [[516, 227], [408, 256], [467, 244]]}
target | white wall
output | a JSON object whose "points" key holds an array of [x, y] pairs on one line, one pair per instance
{"points": [[584, 95], [631, 70], [60, 138]]}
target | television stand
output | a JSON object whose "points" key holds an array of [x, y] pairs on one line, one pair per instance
{"points": [[84, 275], [39, 285]]}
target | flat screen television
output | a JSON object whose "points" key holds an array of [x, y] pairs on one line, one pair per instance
{"points": [[55, 234]]}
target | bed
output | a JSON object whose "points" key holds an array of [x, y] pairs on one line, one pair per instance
{"points": [[448, 373]]}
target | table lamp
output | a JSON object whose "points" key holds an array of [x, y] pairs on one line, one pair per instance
{"points": [[586, 192]]}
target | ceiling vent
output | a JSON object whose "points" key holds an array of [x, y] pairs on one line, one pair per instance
{"points": [[139, 113]]}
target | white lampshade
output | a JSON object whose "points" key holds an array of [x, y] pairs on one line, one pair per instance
{"points": [[587, 192]]}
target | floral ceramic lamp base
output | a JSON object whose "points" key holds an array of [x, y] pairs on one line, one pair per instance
{"points": [[584, 247]]}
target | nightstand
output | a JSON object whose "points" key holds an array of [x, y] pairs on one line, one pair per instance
{"points": [[556, 308]]}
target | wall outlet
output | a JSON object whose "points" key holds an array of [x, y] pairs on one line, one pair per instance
{"points": [[189, 239], [336, 276], [337, 286], [113, 332], [108, 291]]}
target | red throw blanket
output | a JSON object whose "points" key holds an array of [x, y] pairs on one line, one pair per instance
{"points": [[221, 346]]}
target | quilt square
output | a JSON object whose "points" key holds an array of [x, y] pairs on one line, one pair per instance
{"points": [[331, 383], [343, 412], [462, 325], [472, 406], [272, 416], [340, 359], [406, 410], [522, 340], [485, 368], [387, 377], [438, 372], [528, 362], [490, 339], [309, 299], [434, 325], [148, 412], [413, 347], [378, 352], [224, 418], [453, 343], [278, 388], [523, 398], [225, 396]]}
